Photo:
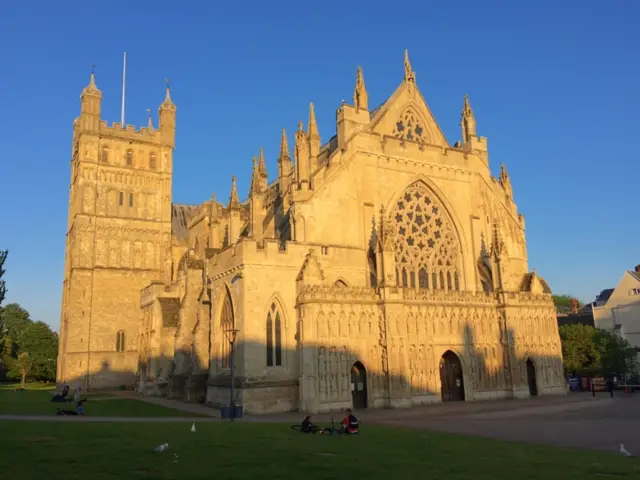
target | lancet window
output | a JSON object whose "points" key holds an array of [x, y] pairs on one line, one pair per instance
{"points": [[427, 250], [274, 337], [227, 324], [120, 341]]}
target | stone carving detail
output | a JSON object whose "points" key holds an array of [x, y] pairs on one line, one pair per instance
{"points": [[401, 346], [426, 245], [332, 293], [387, 232]]}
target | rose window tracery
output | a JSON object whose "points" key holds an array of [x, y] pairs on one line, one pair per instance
{"points": [[409, 127], [426, 246]]}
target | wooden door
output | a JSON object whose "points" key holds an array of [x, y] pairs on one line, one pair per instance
{"points": [[359, 385], [451, 379]]}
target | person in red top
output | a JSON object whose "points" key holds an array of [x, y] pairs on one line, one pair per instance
{"points": [[350, 423]]}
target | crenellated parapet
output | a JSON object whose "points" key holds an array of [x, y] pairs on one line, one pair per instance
{"points": [[527, 299]]}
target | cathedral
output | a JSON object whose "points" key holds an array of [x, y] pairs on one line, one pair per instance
{"points": [[383, 268]]}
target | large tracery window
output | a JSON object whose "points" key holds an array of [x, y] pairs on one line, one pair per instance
{"points": [[227, 323], [427, 249]]}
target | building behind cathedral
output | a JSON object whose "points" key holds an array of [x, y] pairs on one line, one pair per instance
{"points": [[383, 268]]}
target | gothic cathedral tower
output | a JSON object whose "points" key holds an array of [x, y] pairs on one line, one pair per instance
{"points": [[118, 240]]}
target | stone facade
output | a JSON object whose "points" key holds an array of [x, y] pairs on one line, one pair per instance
{"points": [[383, 268], [118, 240]]}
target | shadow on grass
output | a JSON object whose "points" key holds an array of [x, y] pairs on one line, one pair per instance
{"points": [[38, 402], [243, 450]]}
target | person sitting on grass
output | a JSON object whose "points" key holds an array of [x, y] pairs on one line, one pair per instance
{"points": [[61, 397], [350, 423], [80, 407], [308, 426]]}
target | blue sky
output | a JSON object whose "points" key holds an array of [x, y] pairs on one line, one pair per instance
{"points": [[554, 86]]}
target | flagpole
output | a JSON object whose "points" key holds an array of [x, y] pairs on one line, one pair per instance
{"points": [[124, 78]]}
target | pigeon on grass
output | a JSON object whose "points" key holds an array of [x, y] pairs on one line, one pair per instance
{"points": [[624, 452]]}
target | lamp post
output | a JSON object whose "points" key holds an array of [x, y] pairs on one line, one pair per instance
{"points": [[231, 335]]}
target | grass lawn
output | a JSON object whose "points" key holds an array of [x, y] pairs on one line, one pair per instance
{"points": [[37, 402], [242, 450]]}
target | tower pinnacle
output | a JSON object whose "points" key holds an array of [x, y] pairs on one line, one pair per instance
{"points": [[284, 146], [262, 167], [313, 126], [168, 103], [234, 202], [360, 96], [92, 88], [409, 74], [255, 178]]}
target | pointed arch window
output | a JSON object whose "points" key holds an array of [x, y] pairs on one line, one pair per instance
{"points": [[274, 337], [152, 161], [129, 158], [227, 322], [120, 341]]}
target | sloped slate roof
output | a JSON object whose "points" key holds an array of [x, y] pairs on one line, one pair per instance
{"points": [[179, 217]]}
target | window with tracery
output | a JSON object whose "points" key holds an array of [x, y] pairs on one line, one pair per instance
{"points": [[227, 323], [427, 250], [409, 127], [274, 337]]}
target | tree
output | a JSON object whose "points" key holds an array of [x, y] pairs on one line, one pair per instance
{"points": [[23, 335], [3, 284], [15, 320], [3, 292], [579, 351], [41, 343], [563, 303], [618, 357], [21, 367]]}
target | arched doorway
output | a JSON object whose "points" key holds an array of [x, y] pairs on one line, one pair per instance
{"points": [[359, 385], [531, 378], [451, 380]]}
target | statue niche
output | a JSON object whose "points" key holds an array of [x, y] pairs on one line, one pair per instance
{"points": [[484, 267]]}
